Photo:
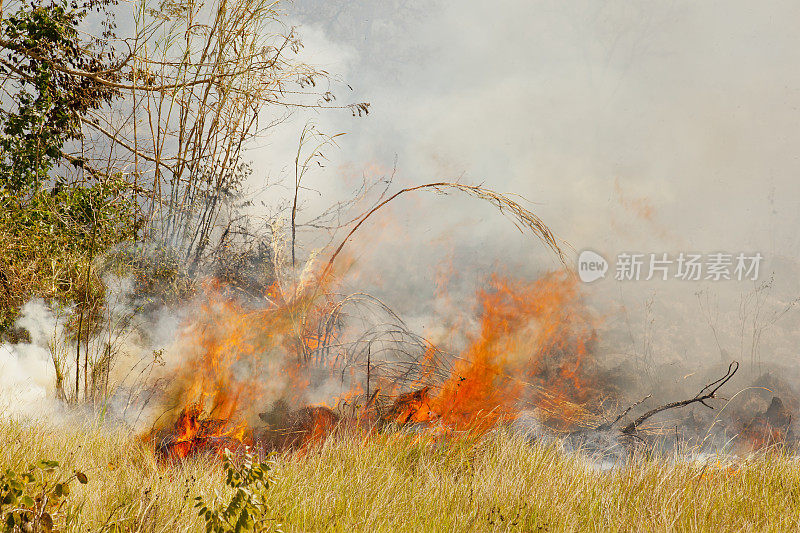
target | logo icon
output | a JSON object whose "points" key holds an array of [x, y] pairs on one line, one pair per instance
{"points": [[591, 266]]}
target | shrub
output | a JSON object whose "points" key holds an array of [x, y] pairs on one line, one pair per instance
{"points": [[36, 500], [247, 508]]}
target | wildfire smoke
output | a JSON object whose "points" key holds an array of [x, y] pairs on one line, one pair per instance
{"points": [[533, 349]]}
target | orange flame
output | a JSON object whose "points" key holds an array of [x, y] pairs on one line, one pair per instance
{"points": [[194, 434], [532, 350], [227, 351]]}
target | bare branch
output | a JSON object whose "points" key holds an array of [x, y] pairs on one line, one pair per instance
{"points": [[706, 393]]}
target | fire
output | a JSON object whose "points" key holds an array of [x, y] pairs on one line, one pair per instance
{"points": [[767, 429], [532, 350], [232, 356], [194, 434], [411, 408]]}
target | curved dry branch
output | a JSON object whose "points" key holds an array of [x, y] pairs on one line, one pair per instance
{"points": [[521, 217]]}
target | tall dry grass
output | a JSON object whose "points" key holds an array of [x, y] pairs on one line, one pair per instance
{"points": [[401, 482]]}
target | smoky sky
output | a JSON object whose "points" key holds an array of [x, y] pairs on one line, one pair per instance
{"points": [[627, 126]]}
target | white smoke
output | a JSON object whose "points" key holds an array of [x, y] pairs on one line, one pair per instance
{"points": [[37, 378], [27, 374]]}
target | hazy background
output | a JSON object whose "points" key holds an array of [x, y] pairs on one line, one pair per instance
{"points": [[592, 109], [629, 126]]}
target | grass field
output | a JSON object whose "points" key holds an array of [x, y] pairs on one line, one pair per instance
{"points": [[399, 482]]}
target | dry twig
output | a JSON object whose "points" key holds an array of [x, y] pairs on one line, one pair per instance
{"points": [[706, 393]]}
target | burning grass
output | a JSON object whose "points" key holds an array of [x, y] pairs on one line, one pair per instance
{"points": [[265, 378], [374, 428], [405, 482]]}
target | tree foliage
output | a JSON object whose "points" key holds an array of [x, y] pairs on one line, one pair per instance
{"points": [[141, 138], [54, 216], [41, 48], [36, 499]]}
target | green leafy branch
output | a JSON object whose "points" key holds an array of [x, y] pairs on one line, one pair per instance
{"points": [[247, 509], [35, 500]]}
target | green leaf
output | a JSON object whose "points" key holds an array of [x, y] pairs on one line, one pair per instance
{"points": [[27, 501], [82, 479]]}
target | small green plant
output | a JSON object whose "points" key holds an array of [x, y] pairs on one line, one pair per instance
{"points": [[247, 508], [34, 501]]}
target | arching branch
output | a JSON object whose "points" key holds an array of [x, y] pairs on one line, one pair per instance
{"points": [[522, 218]]}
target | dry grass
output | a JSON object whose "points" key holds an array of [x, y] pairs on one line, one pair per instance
{"points": [[400, 482]]}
